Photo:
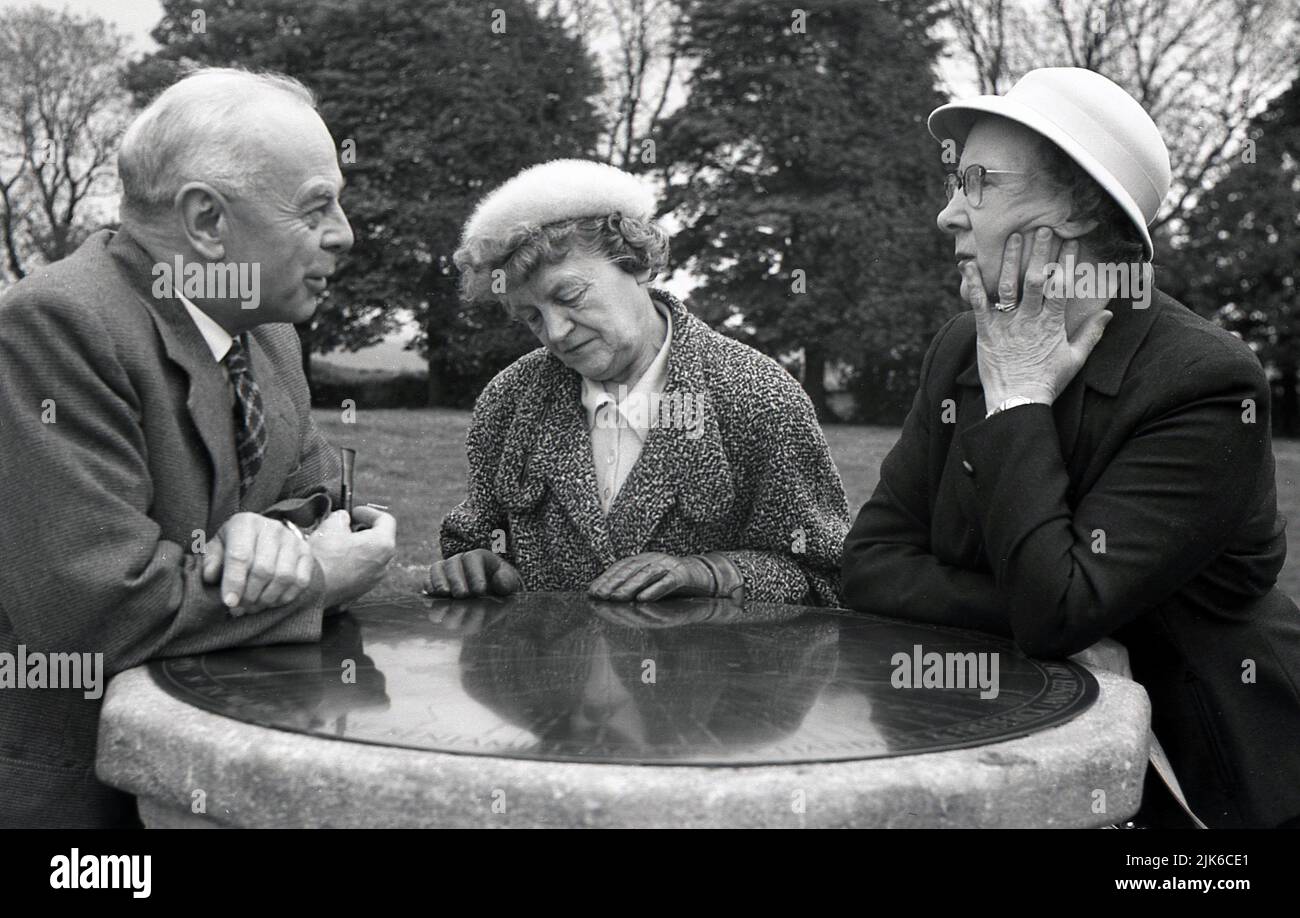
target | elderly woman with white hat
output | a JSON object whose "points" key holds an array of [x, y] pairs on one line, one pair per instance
{"points": [[1086, 457], [637, 454]]}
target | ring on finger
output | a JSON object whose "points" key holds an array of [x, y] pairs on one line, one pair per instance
{"points": [[1005, 307]]}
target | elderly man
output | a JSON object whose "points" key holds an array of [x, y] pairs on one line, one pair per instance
{"points": [[159, 468]]}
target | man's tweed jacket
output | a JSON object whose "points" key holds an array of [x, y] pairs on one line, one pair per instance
{"points": [[758, 484], [116, 451]]}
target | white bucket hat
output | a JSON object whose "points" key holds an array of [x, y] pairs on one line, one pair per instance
{"points": [[562, 189], [1098, 125]]}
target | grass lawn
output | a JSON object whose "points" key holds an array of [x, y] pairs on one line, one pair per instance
{"points": [[414, 463]]}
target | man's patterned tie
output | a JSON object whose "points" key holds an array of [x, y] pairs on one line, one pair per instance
{"points": [[250, 426]]}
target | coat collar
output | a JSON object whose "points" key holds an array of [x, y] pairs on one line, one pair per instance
{"points": [[1109, 361], [548, 446], [209, 398]]}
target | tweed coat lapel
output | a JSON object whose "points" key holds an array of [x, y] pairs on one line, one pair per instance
{"points": [[566, 462], [547, 448], [209, 397], [208, 400], [677, 466]]}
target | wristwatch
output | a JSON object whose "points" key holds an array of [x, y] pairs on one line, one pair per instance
{"points": [[1014, 402]]}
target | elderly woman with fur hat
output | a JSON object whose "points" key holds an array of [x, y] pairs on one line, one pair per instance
{"points": [[1087, 457], [637, 454]]}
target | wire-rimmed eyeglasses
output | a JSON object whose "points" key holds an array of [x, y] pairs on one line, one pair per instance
{"points": [[971, 181]]}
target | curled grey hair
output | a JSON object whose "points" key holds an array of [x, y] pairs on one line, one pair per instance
{"points": [[634, 244], [1114, 239], [194, 131]]}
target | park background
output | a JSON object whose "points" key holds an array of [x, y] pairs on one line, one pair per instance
{"points": [[787, 142]]}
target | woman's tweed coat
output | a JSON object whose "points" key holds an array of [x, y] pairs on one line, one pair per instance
{"points": [[758, 484]]}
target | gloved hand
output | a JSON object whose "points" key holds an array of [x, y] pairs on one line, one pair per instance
{"points": [[654, 575]]}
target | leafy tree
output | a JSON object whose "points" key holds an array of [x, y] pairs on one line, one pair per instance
{"points": [[637, 48], [1237, 260], [1200, 68], [433, 102], [808, 187], [62, 110]]}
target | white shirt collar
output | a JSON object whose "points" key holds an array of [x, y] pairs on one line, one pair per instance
{"points": [[596, 394], [218, 339]]}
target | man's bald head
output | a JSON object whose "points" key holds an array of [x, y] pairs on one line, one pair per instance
{"points": [[204, 128], [234, 168]]}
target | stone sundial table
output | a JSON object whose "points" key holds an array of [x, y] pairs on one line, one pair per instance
{"points": [[550, 709]]}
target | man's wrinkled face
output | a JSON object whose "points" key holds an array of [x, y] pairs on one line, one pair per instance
{"points": [[1011, 203], [588, 312], [293, 223]]}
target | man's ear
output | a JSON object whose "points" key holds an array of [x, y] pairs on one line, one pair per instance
{"points": [[201, 208]]}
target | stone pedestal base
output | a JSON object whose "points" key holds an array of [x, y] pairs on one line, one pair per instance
{"points": [[194, 768]]}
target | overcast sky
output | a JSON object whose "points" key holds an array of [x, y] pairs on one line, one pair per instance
{"points": [[133, 18]]}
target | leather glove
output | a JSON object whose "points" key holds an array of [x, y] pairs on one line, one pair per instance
{"points": [[655, 575]]}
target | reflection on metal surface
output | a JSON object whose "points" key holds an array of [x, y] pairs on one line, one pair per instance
{"points": [[691, 682]]}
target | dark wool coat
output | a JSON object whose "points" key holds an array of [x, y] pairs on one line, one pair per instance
{"points": [[101, 506], [1141, 505], [758, 484]]}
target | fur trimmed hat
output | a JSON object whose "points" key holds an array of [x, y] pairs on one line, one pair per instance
{"points": [[562, 189]]}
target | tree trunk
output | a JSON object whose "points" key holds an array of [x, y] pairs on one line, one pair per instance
{"points": [[11, 243], [814, 379], [1286, 420], [437, 389]]}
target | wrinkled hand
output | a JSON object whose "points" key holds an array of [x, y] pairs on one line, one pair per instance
{"points": [[260, 563], [652, 575], [1028, 351], [478, 572], [353, 562]]}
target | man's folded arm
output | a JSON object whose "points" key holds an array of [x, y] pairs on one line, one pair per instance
{"points": [[85, 568]]}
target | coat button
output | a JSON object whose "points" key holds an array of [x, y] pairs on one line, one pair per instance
{"points": [[967, 467]]}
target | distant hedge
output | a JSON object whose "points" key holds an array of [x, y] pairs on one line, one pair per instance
{"points": [[405, 390]]}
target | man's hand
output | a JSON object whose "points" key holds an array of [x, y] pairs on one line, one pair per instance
{"points": [[353, 562], [474, 573], [652, 575], [1027, 351], [261, 563]]}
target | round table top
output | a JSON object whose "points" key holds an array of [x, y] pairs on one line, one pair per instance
{"points": [[553, 710], [557, 676]]}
